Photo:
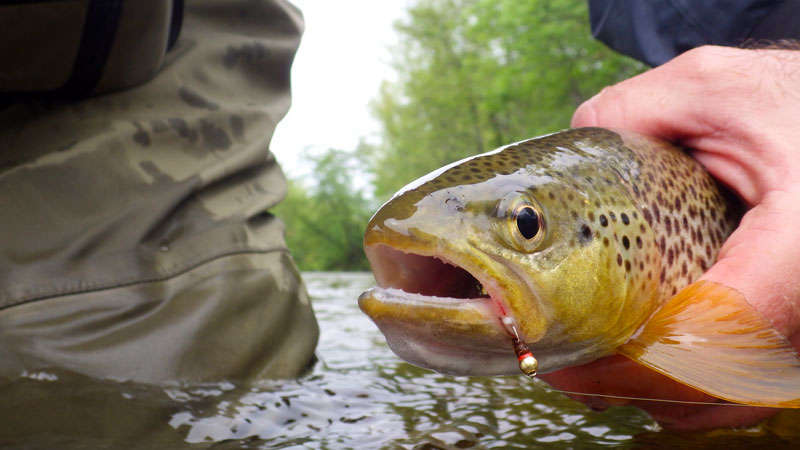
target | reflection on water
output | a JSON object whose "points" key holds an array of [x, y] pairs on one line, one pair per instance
{"points": [[358, 396]]}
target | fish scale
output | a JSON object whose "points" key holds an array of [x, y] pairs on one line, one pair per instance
{"points": [[689, 213]]}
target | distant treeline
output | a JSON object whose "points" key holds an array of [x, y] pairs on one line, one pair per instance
{"points": [[472, 75]]}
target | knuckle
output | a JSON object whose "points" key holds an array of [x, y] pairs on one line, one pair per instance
{"points": [[706, 62]]}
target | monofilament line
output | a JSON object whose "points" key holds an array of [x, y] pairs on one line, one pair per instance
{"points": [[663, 400]]}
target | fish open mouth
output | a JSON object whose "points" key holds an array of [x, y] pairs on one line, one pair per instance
{"points": [[429, 276], [438, 314]]}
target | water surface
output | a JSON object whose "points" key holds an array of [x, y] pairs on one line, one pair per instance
{"points": [[359, 395]]}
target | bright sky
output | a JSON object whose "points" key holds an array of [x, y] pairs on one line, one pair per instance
{"points": [[338, 70]]}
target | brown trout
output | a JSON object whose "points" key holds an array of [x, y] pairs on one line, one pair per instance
{"points": [[588, 242]]}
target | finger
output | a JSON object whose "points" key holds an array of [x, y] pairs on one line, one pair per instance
{"points": [[735, 107], [670, 101], [760, 260]]}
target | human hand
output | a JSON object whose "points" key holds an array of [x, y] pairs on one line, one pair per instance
{"points": [[737, 109]]}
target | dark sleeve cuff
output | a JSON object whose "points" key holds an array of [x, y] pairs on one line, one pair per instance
{"points": [[655, 31]]}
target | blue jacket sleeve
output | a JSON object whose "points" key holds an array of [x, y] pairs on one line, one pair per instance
{"points": [[655, 31]]}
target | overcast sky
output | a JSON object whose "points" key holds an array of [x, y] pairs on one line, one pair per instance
{"points": [[343, 57]]}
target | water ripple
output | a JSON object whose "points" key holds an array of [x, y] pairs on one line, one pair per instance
{"points": [[359, 396]]}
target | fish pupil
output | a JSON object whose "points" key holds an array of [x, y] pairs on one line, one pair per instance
{"points": [[528, 222]]}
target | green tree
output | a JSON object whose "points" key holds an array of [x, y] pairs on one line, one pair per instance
{"points": [[325, 222], [477, 74]]}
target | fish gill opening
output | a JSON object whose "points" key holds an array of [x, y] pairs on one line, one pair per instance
{"points": [[424, 275]]}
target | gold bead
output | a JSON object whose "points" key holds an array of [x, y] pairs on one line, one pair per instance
{"points": [[528, 365]]}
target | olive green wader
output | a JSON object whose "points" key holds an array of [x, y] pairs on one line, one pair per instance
{"points": [[135, 237]]}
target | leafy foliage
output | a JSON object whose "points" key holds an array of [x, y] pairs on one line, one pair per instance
{"points": [[325, 223], [472, 75], [477, 74]]}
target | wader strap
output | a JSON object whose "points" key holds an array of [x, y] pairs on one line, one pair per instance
{"points": [[176, 23], [102, 19]]}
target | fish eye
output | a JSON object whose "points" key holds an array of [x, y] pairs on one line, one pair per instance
{"points": [[522, 223], [527, 221]]}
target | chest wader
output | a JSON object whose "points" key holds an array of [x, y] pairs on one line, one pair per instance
{"points": [[136, 181]]}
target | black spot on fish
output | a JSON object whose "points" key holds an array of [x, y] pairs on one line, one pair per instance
{"points": [[626, 242], [624, 218], [648, 217], [603, 220], [585, 235]]}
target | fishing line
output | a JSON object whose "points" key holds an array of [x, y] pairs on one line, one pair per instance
{"points": [[664, 400]]}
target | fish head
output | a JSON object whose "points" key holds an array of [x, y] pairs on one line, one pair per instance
{"points": [[501, 236]]}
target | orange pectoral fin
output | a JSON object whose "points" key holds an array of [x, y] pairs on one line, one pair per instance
{"points": [[710, 338]]}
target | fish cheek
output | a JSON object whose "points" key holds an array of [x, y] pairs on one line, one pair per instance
{"points": [[510, 272], [591, 300]]}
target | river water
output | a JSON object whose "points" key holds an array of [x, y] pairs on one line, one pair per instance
{"points": [[359, 396]]}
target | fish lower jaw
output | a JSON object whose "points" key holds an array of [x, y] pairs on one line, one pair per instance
{"points": [[449, 335], [451, 359]]}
